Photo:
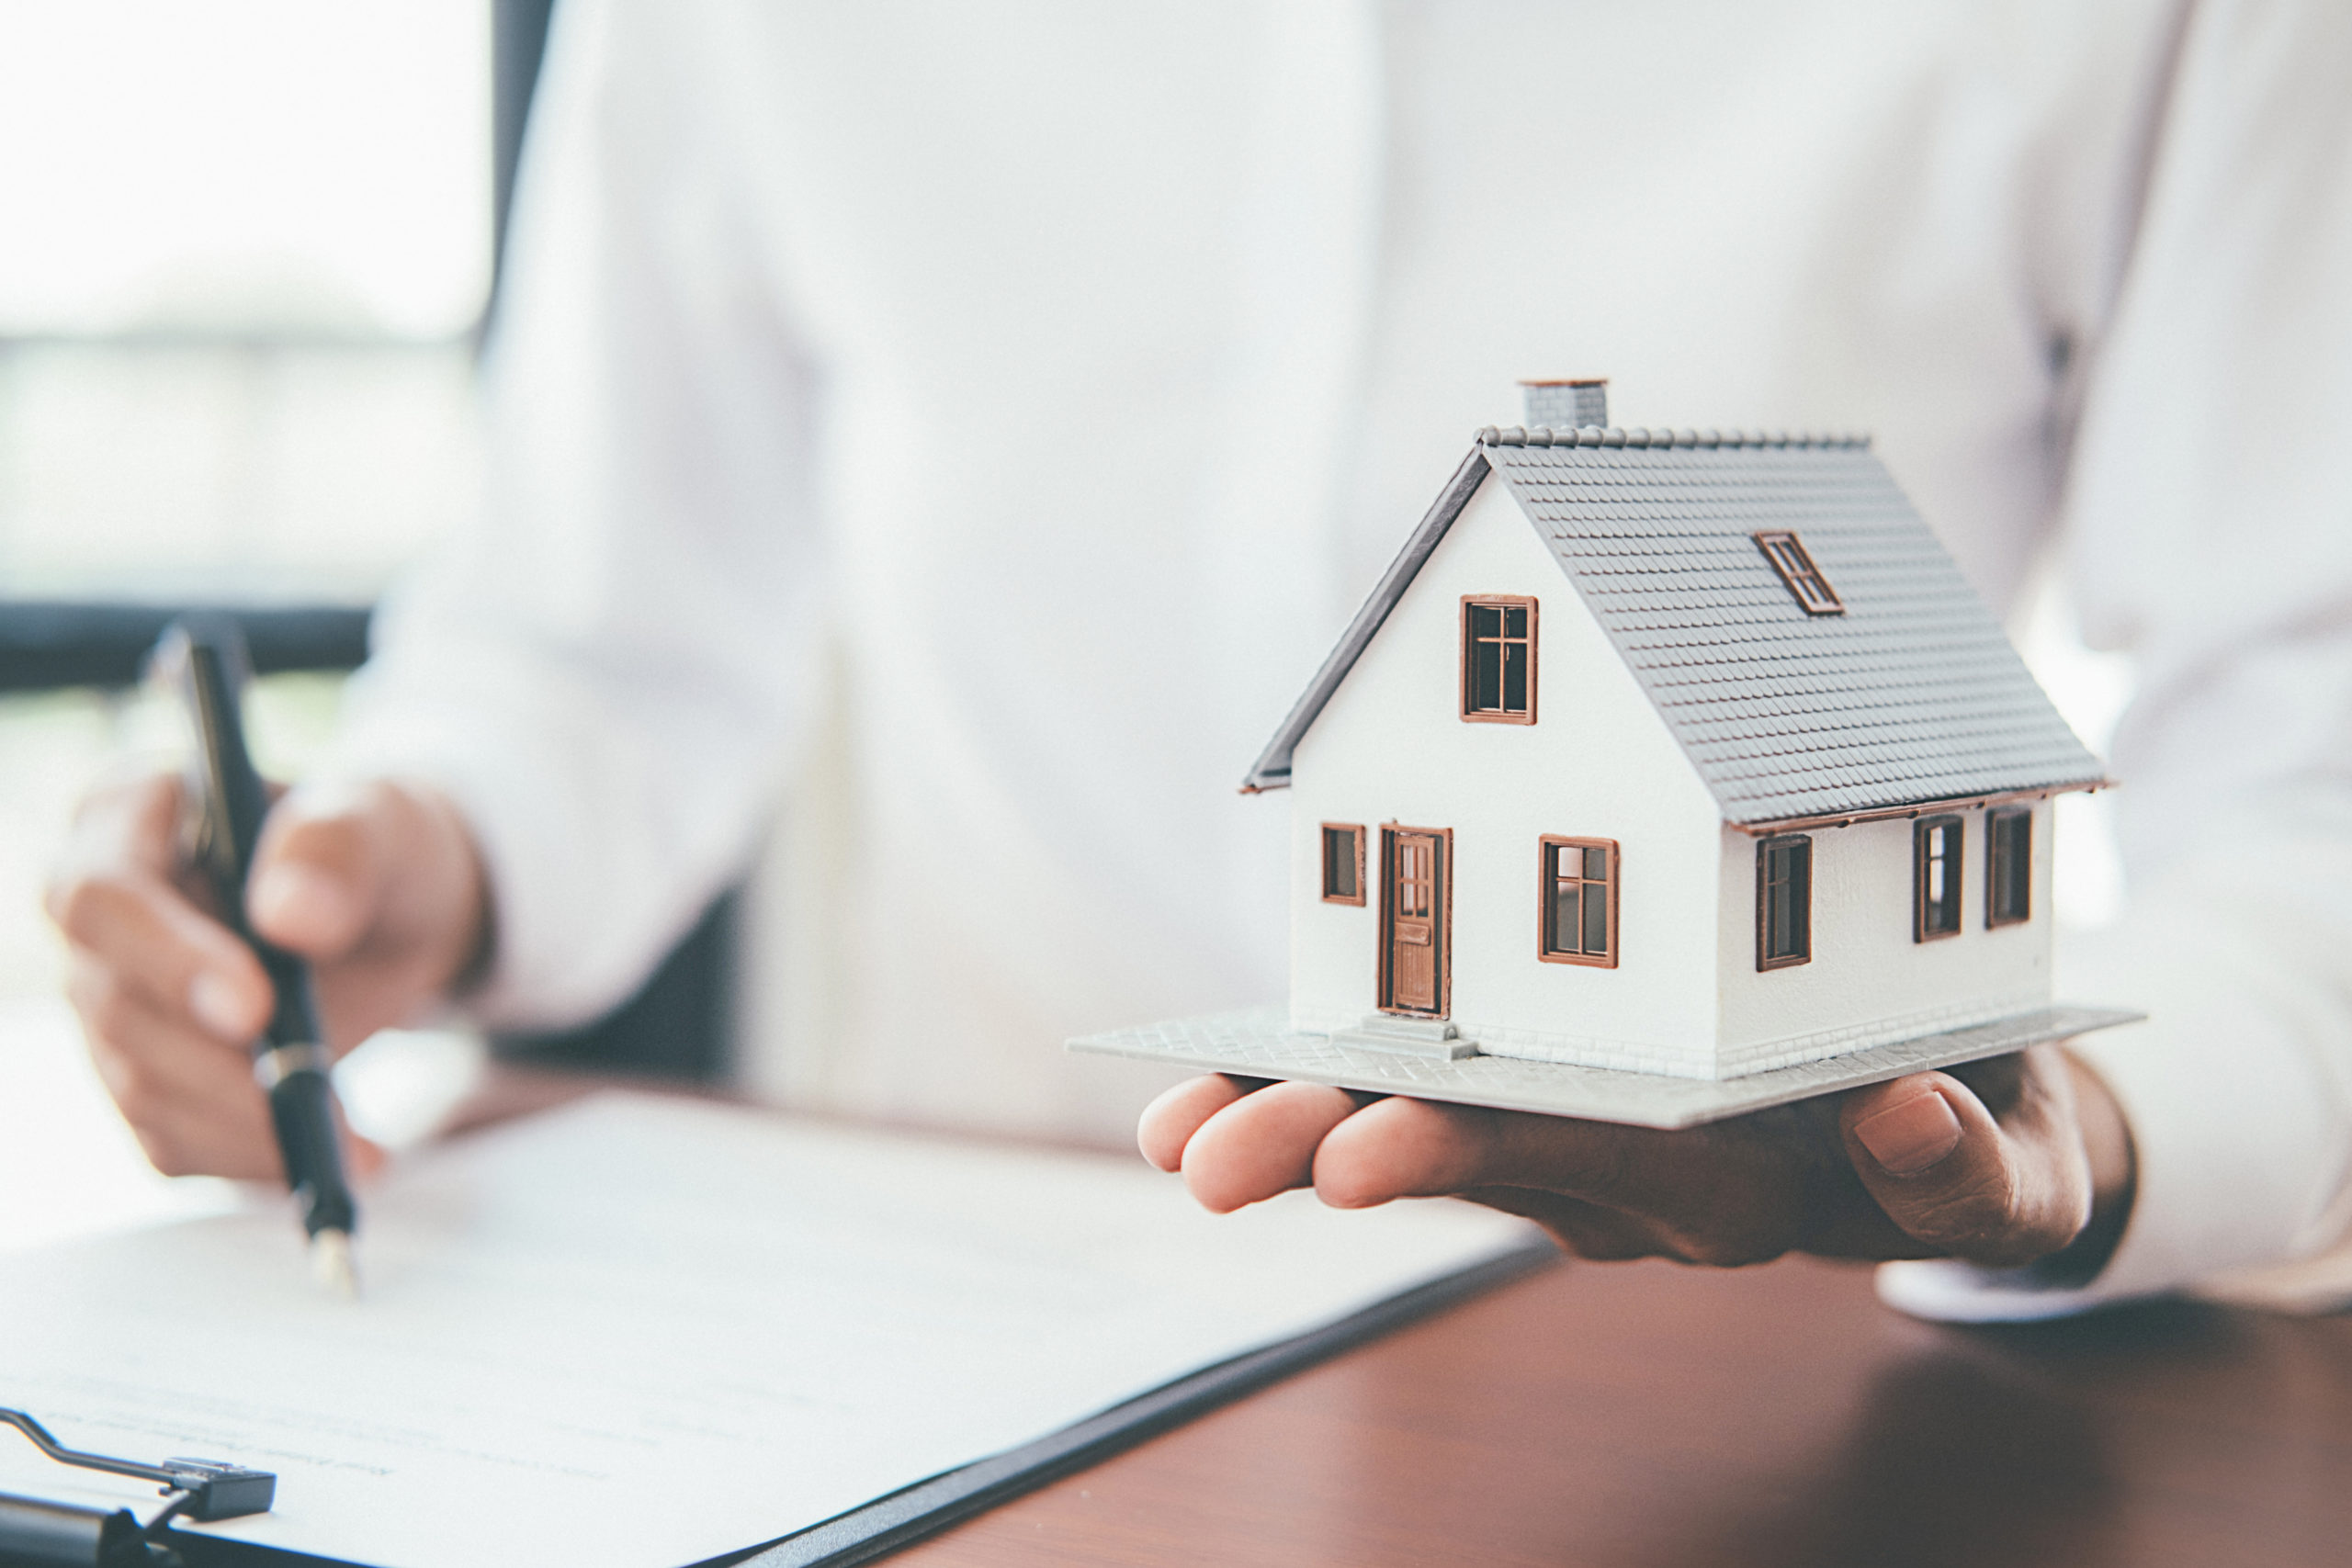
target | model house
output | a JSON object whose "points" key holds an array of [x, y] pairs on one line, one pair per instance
{"points": [[1669, 753]]}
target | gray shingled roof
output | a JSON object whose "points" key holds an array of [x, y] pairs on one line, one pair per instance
{"points": [[1912, 695]]}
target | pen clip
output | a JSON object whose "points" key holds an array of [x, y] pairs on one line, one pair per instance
{"points": [[202, 659]]}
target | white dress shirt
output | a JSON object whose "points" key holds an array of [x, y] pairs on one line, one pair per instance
{"points": [[972, 424]]}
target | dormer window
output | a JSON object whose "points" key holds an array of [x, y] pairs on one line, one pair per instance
{"points": [[1794, 563], [1498, 659]]}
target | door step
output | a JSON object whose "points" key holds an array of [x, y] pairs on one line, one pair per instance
{"points": [[1431, 1037]]}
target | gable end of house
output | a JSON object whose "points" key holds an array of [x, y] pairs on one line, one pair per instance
{"points": [[1272, 769]]}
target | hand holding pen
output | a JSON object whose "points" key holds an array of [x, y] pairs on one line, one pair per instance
{"points": [[207, 661], [377, 885]]}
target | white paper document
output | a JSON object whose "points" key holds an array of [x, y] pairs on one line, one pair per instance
{"points": [[643, 1332]]}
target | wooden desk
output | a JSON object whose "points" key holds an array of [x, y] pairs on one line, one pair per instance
{"points": [[1655, 1415]]}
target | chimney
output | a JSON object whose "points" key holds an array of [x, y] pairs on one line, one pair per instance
{"points": [[1566, 405]]}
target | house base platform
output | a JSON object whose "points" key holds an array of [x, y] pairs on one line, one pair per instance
{"points": [[1258, 1043]]}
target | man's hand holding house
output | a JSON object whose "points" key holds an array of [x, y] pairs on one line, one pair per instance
{"points": [[2002, 1162]]}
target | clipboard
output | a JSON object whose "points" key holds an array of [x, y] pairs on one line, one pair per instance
{"points": [[637, 1330], [219, 1489]]}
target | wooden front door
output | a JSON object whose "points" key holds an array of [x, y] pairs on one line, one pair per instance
{"points": [[1416, 914]]}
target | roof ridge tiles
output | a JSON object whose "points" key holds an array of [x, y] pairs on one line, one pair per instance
{"points": [[1639, 437]]}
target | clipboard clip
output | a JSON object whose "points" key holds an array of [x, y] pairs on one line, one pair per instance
{"points": [[32, 1530]]}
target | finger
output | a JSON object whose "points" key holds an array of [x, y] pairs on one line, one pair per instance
{"points": [[1169, 1123], [1954, 1177], [316, 873], [129, 821], [1402, 1148], [140, 929], [149, 1057], [1263, 1143], [190, 1099], [1420, 1148]]}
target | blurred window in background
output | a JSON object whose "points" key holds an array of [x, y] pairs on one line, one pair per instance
{"points": [[248, 248]]}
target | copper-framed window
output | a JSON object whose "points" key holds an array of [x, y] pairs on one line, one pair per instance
{"points": [[1343, 862], [1794, 563], [2008, 865], [1580, 893], [1937, 844], [1498, 659], [1783, 901]]}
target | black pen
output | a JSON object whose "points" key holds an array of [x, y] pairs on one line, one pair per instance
{"points": [[206, 658]]}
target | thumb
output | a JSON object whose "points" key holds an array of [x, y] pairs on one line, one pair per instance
{"points": [[315, 878], [1951, 1175]]}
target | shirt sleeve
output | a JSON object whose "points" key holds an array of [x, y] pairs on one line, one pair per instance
{"points": [[609, 669], [2210, 534]]}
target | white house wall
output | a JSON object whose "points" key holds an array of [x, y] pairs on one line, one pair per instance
{"points": [[1391, 747], [1867, 982]]}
